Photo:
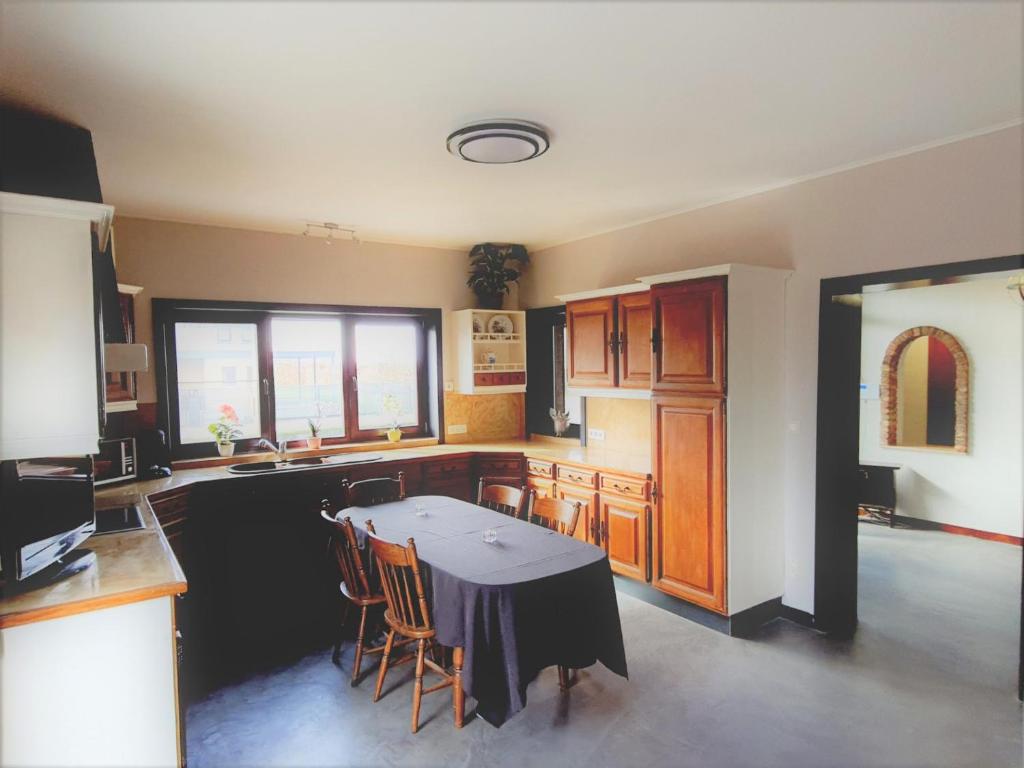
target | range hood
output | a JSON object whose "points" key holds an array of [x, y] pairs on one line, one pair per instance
{"points": [[118, 358]]}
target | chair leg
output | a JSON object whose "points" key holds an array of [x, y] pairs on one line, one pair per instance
{"points": [[385, 657], [339, 635], [563, 677], [458, 697], [359, 647], [417, 691]]}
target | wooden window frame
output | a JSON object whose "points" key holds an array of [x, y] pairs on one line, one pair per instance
{"points": [[168, 312]]}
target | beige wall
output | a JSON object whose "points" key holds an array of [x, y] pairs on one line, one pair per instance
{"points": [[626, 424], [950, 203], [191, 261]]}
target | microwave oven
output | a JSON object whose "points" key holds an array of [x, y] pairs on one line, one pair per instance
{"points": [[115, 461]]}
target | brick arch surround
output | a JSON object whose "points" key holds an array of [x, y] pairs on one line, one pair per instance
{"points": [[890, 369]]}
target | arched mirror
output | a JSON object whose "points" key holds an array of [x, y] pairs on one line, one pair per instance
{"points": [[924, 391]]}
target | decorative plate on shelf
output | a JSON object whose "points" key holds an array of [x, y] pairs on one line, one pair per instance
{"points": [[500, 324], [478, 325]]}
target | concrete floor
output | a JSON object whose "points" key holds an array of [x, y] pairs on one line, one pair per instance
{"points": [[929, 680]]}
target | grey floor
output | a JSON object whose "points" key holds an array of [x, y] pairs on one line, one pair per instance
{"points": [[929, 680]]}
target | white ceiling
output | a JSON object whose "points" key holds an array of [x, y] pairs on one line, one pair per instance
{"points": [[263, 115]]}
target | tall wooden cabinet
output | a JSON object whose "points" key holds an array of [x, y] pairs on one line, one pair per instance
{"points": [[718, 435], [688, 525]]}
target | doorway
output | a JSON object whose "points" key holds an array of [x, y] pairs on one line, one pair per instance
{"points": [[838, 434]]}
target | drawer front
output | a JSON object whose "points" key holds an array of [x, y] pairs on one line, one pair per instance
{"points": [[577, 476], [175, 535], [483, 379], [538, 468], [457, 488], [445, 467], [500, 467], [623, 485], [172, 507]]}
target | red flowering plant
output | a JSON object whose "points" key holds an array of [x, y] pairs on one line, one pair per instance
{"points": [[225, 429]]}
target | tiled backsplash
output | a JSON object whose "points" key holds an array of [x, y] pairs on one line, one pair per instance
{"points": [[485, 417], [626, 424]]}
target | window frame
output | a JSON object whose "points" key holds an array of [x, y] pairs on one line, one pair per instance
{"points": [[168, 312]]}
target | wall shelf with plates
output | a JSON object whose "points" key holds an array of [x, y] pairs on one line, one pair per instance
{"points": [[490, 351]]}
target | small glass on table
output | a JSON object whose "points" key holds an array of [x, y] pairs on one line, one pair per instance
{"points": [[490, 535]]}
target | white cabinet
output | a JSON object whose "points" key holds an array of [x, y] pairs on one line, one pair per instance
{"points": [[48, 365], [490, 355]]}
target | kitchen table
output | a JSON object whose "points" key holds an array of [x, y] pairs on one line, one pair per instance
{"points": [[530, 600]]}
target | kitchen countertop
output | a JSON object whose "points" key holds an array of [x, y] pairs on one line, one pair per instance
{"points": [[139, 565], [130, 567], [596, 458]]}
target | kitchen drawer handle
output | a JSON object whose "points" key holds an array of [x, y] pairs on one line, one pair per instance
{"points": [[577, 478], [618, 487]]}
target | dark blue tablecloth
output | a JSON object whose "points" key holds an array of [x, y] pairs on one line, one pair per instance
{"points": [[530, 600]]}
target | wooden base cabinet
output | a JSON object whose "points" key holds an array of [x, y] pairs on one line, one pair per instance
{"points": [[688, 522], [624, 527]]}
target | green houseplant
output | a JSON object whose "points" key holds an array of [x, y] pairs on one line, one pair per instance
{"points": [[492, 267]]}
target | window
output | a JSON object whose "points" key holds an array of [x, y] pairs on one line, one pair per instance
{"points": [[353, 372], [217, 364], [307, 377]]}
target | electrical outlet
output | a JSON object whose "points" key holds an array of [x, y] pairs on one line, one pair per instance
{"points": [[595, 434], [456, 429], [449, 386]]}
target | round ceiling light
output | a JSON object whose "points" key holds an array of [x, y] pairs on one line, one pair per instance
{"points": [[498, 141]]}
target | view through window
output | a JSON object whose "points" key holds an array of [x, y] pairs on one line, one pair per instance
{"points": [[307, 377]]}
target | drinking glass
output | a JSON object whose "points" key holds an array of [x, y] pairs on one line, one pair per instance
{"points": [[490, 535]]}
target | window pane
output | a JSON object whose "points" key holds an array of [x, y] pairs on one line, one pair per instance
{"points": [[386, 372], [307, 377], [217, 366]]}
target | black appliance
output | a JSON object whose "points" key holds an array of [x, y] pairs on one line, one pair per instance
{"points": [[115, 460], [46, 511], [154, 454]]}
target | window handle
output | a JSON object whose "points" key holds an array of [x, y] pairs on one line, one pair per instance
{"points": [[266, 387]]}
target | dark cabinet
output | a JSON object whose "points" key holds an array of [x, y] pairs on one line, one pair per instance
{"points": [[688, 325], [688, 521]]}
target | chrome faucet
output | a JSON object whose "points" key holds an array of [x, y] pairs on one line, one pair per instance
{"points": [[279, 450]]}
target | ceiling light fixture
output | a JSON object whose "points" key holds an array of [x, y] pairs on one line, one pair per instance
{"points": [[318, 228], [498, 142]]}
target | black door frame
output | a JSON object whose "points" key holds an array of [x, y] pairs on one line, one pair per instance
{"points": [[838, 437]]}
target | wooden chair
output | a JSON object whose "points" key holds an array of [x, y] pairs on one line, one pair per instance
{"points": [[377, 490], [501, 498], [355, 584], [554, 514], [408, 616]]}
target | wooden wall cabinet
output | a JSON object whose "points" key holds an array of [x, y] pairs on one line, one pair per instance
{"points": [[634, 340], [590, 325], [688, 324], [609, 341]]}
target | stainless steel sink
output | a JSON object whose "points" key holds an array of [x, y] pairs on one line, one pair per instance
{"points": [[261, 467]]}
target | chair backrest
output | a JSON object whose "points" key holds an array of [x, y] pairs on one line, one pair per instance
{"points": [[555, 514], [501, 498], [401, 582], [377, 490], [345, 548]]}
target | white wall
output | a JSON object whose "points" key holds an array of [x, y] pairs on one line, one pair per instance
{"points": [[983, 488], [955, 202]]}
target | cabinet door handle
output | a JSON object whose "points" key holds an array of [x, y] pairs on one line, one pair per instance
{"points": [[654, 492], [613, 343], [655, 339]]}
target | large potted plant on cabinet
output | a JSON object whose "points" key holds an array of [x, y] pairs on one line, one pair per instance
{"points": [[492, 267]]}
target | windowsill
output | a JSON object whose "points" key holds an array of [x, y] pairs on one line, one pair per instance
{"points": [[245, 458]]}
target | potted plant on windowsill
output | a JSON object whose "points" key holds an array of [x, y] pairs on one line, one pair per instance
{"points": [[390, 406], [490, 273], [225, 430], [314, 440]]}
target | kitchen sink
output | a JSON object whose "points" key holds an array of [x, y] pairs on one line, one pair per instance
{"points": [[260, 467], [255, 466]]}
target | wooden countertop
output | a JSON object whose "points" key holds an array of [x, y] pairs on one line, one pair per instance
{"points": [[130, 567]]}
